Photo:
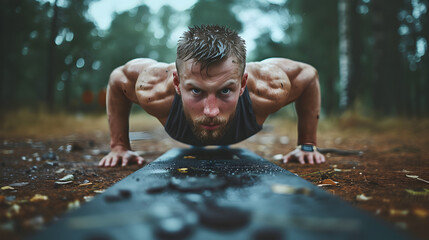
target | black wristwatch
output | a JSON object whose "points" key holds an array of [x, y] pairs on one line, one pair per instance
{"points": [[307, 147]]}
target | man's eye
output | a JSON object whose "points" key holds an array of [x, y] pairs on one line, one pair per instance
{"points": [[195, 91], [225, 91]]}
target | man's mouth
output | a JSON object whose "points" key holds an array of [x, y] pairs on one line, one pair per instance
{"points": [[210, 126]]}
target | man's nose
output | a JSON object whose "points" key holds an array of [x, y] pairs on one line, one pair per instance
{"points": [[211, 109]]}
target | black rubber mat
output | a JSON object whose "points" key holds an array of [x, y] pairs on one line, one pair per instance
{"points": [[217, 194]]}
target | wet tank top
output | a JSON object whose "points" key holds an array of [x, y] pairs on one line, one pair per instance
{"points": [[243, 126]]}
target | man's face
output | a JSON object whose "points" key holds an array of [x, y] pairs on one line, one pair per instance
{"points": [[210, 97]]}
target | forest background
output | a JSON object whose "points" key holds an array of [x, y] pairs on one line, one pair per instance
{"points": [[372, 56]]}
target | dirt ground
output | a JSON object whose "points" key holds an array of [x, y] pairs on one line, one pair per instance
{"points": [[380, 181]]}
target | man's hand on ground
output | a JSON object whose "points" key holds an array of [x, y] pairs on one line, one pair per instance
{"points": [[118, 155], [303, 157]]}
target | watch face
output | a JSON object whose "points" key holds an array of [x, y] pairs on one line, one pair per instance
{"points": [[307, 148]]}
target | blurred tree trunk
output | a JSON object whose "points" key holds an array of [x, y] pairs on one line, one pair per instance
{"points": [[51, 60], [3, 8], [388, 75], [344, 53], [379, 36], [356, 51]]}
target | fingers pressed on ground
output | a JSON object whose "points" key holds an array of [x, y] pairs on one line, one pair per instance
{"points": [[114, 161], [101, 163], [107, 162], [301, 159], [311, 158], [317, 158], [124, 162], [286, 158]]}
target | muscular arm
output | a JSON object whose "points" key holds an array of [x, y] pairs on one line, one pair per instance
{"points": [[120, 96], [305, 92], [307, 105], [118, 109], [152, 94]]}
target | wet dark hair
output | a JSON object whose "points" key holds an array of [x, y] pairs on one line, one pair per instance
{"points": [[209, 44]]}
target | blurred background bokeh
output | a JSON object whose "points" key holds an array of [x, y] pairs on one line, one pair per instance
{"points": [[371, 55]]}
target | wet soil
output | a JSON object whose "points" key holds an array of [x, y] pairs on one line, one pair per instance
{"points": [[375, 182]]}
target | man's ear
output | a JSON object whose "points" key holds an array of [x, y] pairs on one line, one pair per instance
{"points": [[176, 82], [243, 83]]}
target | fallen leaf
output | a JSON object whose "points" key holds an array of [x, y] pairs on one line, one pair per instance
{"points": [[323, 185], [7, 188], [68, 177], [397, 212], [420, 212], [189, 157], [342, 170], [362, 197], [99, 191], [416, 177], [329, 181], [20, 184], [38, 197], [85, 184], [424, 192], [182, 170], [62, 183], [60, 170]]}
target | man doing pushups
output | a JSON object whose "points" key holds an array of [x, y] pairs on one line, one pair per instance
{"points": [[210, 96]]}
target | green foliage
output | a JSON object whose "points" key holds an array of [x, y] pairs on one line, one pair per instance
{"points": [[389, 48], [218, 12]]}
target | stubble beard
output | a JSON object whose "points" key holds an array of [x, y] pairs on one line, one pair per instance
{"points": [[207, 136]]}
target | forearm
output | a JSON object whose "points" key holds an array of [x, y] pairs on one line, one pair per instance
{"points": [[118, 111], [308, 110]]}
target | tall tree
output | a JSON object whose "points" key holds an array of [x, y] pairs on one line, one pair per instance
{"points": [[315, 41], [51, 59], [78, 46], [345, 57], [23, 31], [356, 82], [387, 67]]}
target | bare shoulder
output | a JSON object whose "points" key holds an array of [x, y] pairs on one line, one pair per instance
{"points": [[154, 87], [290, 67], [269, 87], [300, 75]]}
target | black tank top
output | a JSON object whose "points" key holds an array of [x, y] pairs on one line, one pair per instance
{"points": [[243, 126]]}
